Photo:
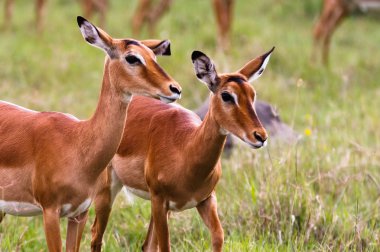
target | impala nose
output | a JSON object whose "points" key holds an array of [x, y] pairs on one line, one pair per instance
{"points": [[174, 89], [260, 137]]}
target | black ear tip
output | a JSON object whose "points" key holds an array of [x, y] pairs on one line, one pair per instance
{"points": [[168, 51], [80, 20], [268, 53], [196, 54], [271, 50]]}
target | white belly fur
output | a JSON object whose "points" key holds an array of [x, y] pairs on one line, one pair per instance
{"points": [[27, 209], [190, 204], [172, 205], [20, 208], [139, 193], [66, 210]]}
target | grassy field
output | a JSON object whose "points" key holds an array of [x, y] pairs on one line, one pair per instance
{"points": [[321, 194]]}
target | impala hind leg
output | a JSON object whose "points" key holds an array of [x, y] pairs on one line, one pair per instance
{"points": [[51, 227], [103, 205], [75, 228], [151, 243], [223, 10], [160, 222], [40, 13], [8, 11], [156, 14], [140, 16], [333, 23], [208, 211]]}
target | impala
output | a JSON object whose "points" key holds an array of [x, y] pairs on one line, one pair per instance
{"points": [[89, 8], [333, 13], [169, 156], [150, 13], [39, 8], [50, 162]]}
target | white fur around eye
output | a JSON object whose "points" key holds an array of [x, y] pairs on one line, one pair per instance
{"points": [[137, 55], [235, 98]]}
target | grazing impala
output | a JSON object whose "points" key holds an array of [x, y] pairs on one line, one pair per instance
{"points": [[150, 14], [50, 162], [333, 12], [39, 7], [169, 156], [89, 8]]}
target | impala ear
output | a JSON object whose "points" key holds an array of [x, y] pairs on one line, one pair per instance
{"points": [[254, 69], [96, 36], [159, 47], [205, 70]]}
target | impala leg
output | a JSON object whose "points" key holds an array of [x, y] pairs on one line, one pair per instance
{"points": [[75, 228], [8, 11], [40, 13], [156, 14], [140, 16], [102, 6], [103, 205], [208, 211], [336, 18], [2, 217], [52, 232], [223, 10], [151, 243], [88, 8], [160, 222]]}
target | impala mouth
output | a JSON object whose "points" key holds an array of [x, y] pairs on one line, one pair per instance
{"points": [[169, 99], [256, 145]]}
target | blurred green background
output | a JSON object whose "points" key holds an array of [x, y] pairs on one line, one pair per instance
{"points": [[319, 194]]}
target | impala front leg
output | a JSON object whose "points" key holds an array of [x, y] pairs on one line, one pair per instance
{"points": [[103, 204], [52, 232], [160, 222], [150, 244], [75, 228], [40, 13], [8, 11], [208, 211]]}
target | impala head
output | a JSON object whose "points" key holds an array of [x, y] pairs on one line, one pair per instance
{"points": [[232, 103], [132, 63]]}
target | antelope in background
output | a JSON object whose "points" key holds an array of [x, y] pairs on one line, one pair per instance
{"points": [[50, 161], [333, 13], [149, 13], [89, 8], [39, 9], [146, 13], [171, 157]]}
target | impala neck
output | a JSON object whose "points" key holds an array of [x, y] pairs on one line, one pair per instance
{"points": [[104, 130], [207, 146]]}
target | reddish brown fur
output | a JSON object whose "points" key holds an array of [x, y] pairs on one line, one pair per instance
{"points": [[39, 9], [150, 14], [50, 159], [333, 13], [168, 151], [89, 8]]}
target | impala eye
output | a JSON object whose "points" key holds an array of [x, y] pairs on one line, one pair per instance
{"points": [[133, 60], [227, 97]]}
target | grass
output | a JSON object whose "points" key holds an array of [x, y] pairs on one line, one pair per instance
{"points": [[321, 194]]}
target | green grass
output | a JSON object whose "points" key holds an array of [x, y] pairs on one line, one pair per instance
{"points": [[320, 194]]}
